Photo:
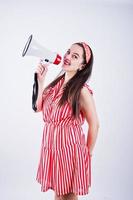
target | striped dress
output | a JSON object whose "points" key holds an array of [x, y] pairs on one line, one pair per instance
{"points": [[65, 162]]}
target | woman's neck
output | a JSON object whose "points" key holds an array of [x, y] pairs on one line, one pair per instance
{"points": [[68, 76]]}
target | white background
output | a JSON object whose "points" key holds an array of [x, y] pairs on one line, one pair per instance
{"points": [[107, 27]]}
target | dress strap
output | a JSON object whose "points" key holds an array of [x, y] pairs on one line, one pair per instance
{"points": [[88, 87]]}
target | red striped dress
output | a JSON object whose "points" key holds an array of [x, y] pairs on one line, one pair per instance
{"points": [[65, 162]]}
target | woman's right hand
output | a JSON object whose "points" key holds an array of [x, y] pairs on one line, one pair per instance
{"points": [[41, 71]]}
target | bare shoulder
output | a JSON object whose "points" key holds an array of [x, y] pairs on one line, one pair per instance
{"points": [[86, 87], [87, 104], [86, 94]]}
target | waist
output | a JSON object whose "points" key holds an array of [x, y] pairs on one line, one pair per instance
{"points": [[62, 123]]}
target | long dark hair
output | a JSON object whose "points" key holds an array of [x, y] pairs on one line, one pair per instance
{"points": [[72, 89]]}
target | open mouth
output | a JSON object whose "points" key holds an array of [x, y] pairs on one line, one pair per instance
{"points": [[66, 62]]}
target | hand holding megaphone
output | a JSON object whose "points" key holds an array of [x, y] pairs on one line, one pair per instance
{"points": [[41, 71], [32, 48]]}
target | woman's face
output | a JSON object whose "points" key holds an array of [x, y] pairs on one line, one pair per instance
{"points": [[73, 59]]}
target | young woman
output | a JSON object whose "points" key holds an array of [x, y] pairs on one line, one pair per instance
{"points": [[65, 157]]}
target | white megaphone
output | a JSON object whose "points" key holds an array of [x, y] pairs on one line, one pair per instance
{"points": [[33, 48]]}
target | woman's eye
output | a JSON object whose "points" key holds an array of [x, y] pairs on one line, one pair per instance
{"points": [[74, 56], [68, 52]]}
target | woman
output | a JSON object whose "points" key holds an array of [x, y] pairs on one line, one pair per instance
{"points": [[65, 158]]}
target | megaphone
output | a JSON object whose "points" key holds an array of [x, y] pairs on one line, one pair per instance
{"points": [[33, 48]]}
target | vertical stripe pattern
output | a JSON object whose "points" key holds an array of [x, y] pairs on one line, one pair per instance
{"points": [[65, 162]]}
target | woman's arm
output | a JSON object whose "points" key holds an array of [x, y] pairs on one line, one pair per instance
{"points": [[88, 108]]}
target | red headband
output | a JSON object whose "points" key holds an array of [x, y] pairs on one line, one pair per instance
{"points": [[87, 51]]}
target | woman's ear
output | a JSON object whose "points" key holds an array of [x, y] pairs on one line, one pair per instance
{"points": [[83, 66]]}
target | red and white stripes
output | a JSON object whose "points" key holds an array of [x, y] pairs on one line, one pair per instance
{"points": [[65, 162]]}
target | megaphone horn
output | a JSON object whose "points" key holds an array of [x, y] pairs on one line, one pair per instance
{"points": [[33, 48]]}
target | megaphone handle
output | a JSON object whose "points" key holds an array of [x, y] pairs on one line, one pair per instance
{"points": [[35, 92]]}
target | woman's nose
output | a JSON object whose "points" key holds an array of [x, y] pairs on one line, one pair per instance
{"points": [[68, 57]]}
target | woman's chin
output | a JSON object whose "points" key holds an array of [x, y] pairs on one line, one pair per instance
{"points": [[64, 66]]}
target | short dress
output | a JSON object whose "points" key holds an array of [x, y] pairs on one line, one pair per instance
{"points": [[65, 161]]}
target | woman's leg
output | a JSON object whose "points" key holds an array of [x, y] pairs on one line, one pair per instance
{"points": [[57, 197], [70, 196]]}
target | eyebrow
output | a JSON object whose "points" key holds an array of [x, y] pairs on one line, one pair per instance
{"points": [[74, 53]]}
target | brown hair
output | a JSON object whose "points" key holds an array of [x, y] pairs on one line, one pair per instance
{"points": [[73, 87]]}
